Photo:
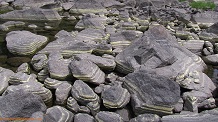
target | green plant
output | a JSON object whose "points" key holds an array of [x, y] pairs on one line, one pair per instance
{"points": [[203, 5]]}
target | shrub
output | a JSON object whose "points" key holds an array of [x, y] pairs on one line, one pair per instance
{"points": [[203, 5]]}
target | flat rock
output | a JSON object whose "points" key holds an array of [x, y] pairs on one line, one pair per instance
{"points": [[151, 92], [7, 25], [80, 117], [146, 118], [211, 59], [87, 71], [58, 114], [20, 78], [106, 116], [25, 68], [195, 46], [206, 18], [31, 3], [32, 14], [24, 42], [24, 104]]}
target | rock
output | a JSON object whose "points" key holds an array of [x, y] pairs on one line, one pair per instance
{"points": [[195, 46], [208, 36], [92, 21], [37, 117], [24, 104], [111, 77], [115, 97], [205, 116], [213, 28], [105, 116], [87, 71], [125, 113], [151, 92], [17, 61], [20, 78], [32, 26], [31, 3], [158, 50], [72, 105], [39, 61], [32, 14], [146, 118], [67, 6], [5, 26], [103, 63], [24, 42], [4, 76], [85, 96], [58, 114], [87, 6], [207, 18], [179, 106], [211, 59], [102, 49], [62, 92], [52, 83], [58, 67], [25, 68], [84, 109], [80, 117], [42, 75]]}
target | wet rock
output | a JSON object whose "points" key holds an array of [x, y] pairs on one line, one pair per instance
{"points": [[58, 66], [72, 105], [24, 104], [5, 26], [39, 61], [158, 50], [24, 42], [5, 77], [195, 46], [80, 117], [106, 116], [31, 3], [103, 63], [62, 92], [58, 114], [158, 93], [92, 21], [87, 6], [87, 71], [31, 14], [25, 68], [211, 59], [205, 116], [146, 118], [115, 97], [85, 96]]}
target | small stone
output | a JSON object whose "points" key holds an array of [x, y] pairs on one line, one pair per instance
{"points": [[72, 105], [146, 118], [25, 68], [80, 117], [62, 92], [105, 116]]}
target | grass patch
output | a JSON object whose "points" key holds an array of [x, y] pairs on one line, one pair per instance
{"points": [[203, 5]]}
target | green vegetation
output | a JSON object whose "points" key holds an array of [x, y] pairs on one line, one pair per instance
{"points": [[202, 4]]}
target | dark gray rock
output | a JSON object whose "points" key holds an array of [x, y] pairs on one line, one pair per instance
{"points": [[115, 97], [58, 114], [52, 83], [31, 3], [25, 68], [62, 92], [20, 78], [31, 14], [20, 104], [42, 75], [211, 59], [80, 117], [195, 46], [213, 28], [37, 117], [24, 42], [58, 66], [5, 77], [87, 71], [151, 92], [207, 18], [39, 61], [7, 25], [72, 105], [125, 113], [105, 116], [146, 118]]}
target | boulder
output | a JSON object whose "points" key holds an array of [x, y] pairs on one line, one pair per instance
{"points": [[39, 61], [62, 92], [146, 118], [5, 77], [80, 117], [7, 25], [195, 46], [52, 83], [25, 68], [72, 105], [211, 59], [32, 14], [31, 3], [151, 92], [105, 116], [207, 18], [24, 42]]}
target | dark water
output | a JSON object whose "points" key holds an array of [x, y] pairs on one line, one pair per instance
{"points": [[10, 61]]}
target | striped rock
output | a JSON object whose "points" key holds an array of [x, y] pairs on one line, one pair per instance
{"points": [[39, 61], [52, 83], [72, 105], [58, 114], [24, 42], [62, 92], [103, 63], [32, 3], [151, 92], [5, 77], [102, 49], [42, 75], [20, 78], [7, 25], [25, 68], [87, 71], [32, 14], [85, 96], [105, 116], [115, 97], [58, 66], [146, 118]]}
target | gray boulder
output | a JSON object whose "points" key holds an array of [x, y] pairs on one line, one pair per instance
{"points": [[20, 78], [31, 3], [58, 114], [146, 118], [195, 46], [5, 77], [62, 92], [72, 105], [207, 18], [80, 117], [24, 42], [32, 14], [151, 92], [52, 83], [39, 61], [25, 68], [211, 59], [20, 104], [7, 25], [105, 116], [87, 71]]}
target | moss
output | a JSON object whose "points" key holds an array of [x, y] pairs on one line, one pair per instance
{"points": [[203, 5]]}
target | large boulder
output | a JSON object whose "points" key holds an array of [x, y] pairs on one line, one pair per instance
{"points": [[31, 14], [207, 18], [24, 42], [20, 104], [158, 50], [151, 92]]}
